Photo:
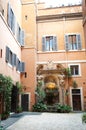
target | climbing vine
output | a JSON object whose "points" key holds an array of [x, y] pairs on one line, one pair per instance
{"points": [[5, 90]]}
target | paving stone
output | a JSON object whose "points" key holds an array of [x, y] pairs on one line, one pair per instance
{"points": [[48, 121]]}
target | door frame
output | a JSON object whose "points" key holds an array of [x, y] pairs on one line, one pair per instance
{"points": [[28, 100], [81, 95]]}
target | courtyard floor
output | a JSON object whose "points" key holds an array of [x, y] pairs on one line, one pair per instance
{"points": [[44, 121]]}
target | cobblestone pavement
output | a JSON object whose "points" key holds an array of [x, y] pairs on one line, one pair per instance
{"points": [[49, 121]]}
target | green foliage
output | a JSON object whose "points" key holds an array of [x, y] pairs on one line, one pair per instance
{"points": [[19, 109], [84, 118], [19, 86], [40, 107], [75, 85], [68, 72], [63, 108], [5, 90], [40, 92], [4, 115]]}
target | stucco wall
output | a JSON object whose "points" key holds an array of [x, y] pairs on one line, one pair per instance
{"points": [[7, 39]]}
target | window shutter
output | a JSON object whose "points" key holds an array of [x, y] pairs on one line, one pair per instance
{"points": [[54, 43], [22, 37], [7, 54], [13, 25], [78, 41], [14, 59], [67, 46], [22, 67], [18, 35], [43, 44], [17, 60], [9, 15]]}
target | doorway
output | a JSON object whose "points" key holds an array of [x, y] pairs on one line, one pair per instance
{"points": [[14, 98], [76, 99], [25, 102]]}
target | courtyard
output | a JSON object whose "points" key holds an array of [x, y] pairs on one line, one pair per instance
{"points": [[44, 121]]}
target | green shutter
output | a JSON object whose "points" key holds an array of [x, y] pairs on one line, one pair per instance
{"points": [[67, 46], [78, 38], [43, 44], [7, 54], [54, 43]]}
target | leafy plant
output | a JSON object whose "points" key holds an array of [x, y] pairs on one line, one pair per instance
{"points": [[67, 72], [63, 108], [40, 107], [19, 86], [75, 85], [5, 89], [4, 115], [40, 92], [19, 109], [84, 118]]}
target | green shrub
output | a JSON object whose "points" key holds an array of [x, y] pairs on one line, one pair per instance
{"points": [[19, 109], [84, 118], [5, 115], [63, 108], [40, 107]]}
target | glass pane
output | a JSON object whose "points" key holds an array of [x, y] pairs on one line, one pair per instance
{"points": [[76, 70], [75, 91]]}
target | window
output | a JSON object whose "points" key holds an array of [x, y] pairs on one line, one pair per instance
{"points": [[11, 19], [12, 59], [9, 56], [49, 43], [20, 66], [13, 24], [73, 42], [75, 70], [20, 35]]}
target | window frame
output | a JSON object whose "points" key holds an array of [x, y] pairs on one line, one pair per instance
{"points": [[79, 42], [11, 19], [79, 69], [54, 43]]}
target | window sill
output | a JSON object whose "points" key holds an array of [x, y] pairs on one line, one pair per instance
{"points": [[76, 76], [10, 65]]}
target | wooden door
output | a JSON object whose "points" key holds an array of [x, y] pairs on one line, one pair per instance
{"points": [[76, 99], [25, 102]]}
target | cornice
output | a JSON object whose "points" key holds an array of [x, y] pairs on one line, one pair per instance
{"points": [[59, 16]]}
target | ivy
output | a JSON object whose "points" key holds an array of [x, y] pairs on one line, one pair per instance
{"points": [[19, 86], [6, 84]]}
